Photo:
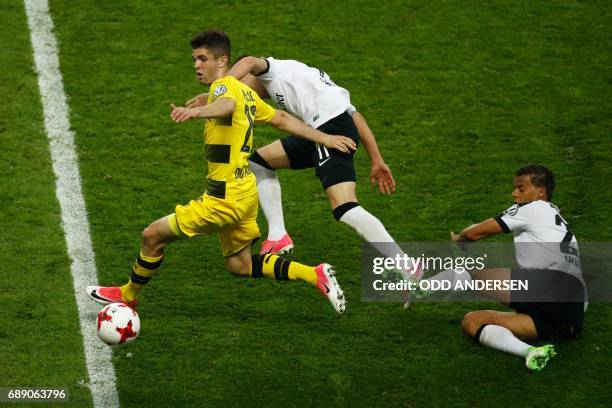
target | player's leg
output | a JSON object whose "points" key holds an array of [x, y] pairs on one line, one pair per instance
{"points": [[338, 181], [336, 170], [346, 209], [264, 162], [273, 155], [154, 238], [236, 245], [323, 276], [243, 264], [520, 324], [505, 331]]}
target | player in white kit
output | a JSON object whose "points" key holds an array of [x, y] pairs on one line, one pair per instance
{"points": [[310, 94], [547, 255]]}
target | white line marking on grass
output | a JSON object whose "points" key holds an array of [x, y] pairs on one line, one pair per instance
{"points": [[68, 190]]}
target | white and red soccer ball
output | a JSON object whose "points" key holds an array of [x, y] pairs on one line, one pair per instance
{"points": [[118, 324]]}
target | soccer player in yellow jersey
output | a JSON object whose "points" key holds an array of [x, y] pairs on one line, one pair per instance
{"points": [[229, 205]]}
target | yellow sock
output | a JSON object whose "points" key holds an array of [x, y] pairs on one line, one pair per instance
{"points": [[142, 271], [275, 267]]}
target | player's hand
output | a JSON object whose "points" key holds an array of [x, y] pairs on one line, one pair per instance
{"points": [[200, 100], [181, 114], [381, 176], [456, 238], [342, 143]]}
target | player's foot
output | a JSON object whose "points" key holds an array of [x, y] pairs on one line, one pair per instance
{"points": [[412, 280], [538, 357], [409, 295], [108, 295], [282, 246], [329, 287]]}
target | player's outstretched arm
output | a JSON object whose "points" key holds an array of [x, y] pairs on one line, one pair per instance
{"points": [[220, 108], [287, 123], [380, 173], [248, 65], [199, 100], [477, 232]]}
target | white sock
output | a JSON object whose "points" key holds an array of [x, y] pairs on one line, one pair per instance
{"points": [[372, 230], [502, 339], [270, 200]]}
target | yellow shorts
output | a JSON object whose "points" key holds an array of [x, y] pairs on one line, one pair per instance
{"points": [[235, 220]]}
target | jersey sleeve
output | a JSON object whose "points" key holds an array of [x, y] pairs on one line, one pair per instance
{"points": [[514, 218], [269, 72], [223, 88], [263, 112]]}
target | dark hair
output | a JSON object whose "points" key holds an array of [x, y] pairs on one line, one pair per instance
{"points": [[217, 42], [540, 177]]}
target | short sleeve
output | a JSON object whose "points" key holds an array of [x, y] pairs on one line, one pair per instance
{"points": [[514, 218], [263, 111], [270, 66], [222, 88]]}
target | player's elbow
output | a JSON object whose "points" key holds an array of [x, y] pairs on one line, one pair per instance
{"points": [[256, 65], [251, 64], [279, 120]]}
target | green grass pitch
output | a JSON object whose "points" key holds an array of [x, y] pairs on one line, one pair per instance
{"points": [[458, 93]]}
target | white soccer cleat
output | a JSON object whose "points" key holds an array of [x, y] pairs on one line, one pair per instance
{"points": [[329, 287]]}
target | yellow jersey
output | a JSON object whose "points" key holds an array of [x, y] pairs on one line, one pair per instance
{"points": [[229, 140]]}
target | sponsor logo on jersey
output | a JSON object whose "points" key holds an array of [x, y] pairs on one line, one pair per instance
{"points": [[280, 100], [221, 89], [512, 210]]}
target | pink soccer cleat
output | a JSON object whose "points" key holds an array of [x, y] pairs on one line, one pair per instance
{"points": [[282, 246], [329, 287], [108, 295]]}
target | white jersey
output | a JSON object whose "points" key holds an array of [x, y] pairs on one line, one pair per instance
{"points": [[304, 91], [542, 238]]}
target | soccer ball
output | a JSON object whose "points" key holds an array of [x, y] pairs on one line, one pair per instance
{"points": [[117, 324]]}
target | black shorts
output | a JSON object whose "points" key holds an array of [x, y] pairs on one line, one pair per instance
{"points": [[554, 301], [331, 165]]}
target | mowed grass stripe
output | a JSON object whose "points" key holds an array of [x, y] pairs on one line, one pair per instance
{"points": [[68, 191]]}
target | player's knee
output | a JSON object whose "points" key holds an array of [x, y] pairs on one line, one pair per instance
{"points": [[472, 321], [151, 239], [257, 159], [342, 209], [236, 267]]}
